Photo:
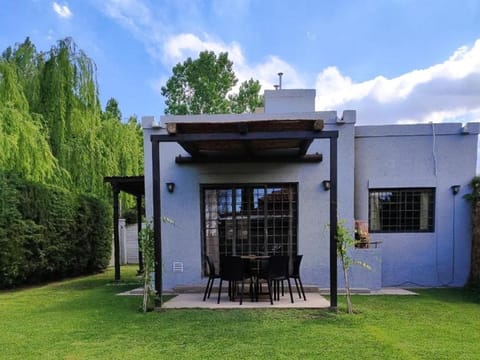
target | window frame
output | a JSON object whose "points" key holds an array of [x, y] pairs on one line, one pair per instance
{"points": [[233, 187], [402, 227]]}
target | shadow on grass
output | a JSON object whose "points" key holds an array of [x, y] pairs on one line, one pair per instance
{"points": [[451, 295]]}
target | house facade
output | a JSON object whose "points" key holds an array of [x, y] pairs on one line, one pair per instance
{"points": [[272, 196]]}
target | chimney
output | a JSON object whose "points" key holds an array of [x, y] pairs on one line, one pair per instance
{"points": [[289, 101]]}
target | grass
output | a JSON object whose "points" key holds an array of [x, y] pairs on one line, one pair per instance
{"points": [[83, 319]]}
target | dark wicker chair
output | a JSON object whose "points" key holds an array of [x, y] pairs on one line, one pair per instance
{"points": [[295, 275], [212, 275], [233, 270], [275, 273]]}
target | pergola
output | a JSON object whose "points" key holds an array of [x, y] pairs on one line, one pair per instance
{"points": [[246, 141], [133, 185]]}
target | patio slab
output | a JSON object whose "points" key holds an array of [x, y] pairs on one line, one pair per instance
{"points": [[315, 300], [194, 300]]}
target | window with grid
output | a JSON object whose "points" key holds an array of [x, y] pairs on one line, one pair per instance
{"points": [[401, 210], [249, 219]]}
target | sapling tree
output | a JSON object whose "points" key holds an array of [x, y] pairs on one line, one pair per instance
{"points": [[345, 241], [147, 247]]}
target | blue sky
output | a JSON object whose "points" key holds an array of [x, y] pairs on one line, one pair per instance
{"points": [[396, 61]]}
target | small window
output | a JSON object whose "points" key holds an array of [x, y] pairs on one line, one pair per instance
{"points": [[401, 210]]}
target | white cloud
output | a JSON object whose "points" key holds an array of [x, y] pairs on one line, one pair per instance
{"points": [[62, 10], [132, 14], [179, 47], [445, 91], [157, 84], [164, 45], [139, 20]]}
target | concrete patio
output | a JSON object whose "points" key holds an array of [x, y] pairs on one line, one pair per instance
{"points": [[192, 298], [195, 300]]}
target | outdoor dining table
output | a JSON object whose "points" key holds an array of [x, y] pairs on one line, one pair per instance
{"points": [[255, 271], [256, 262]]}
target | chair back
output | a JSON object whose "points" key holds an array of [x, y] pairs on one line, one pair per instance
{"points": [[297, 259], [278, 266], [211, 266], [232, 268]]}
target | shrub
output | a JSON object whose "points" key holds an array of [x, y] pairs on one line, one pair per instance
{"points": [[13, 236], [130, 215], [48, 233], [474, 199], [94, 233]]}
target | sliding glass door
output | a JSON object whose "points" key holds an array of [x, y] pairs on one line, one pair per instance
{"points": [[245, 219]]}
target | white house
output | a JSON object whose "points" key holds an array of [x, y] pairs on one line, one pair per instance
{"points": [[271, 182]]}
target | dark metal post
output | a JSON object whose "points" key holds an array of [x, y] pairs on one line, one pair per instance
{"points": [[116, 235], [139, 229], [333, 223], [157, 218]]}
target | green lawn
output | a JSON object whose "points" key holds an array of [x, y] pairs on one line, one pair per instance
{"points": [[83, 319]]}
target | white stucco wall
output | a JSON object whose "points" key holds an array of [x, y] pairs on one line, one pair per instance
{"points": [[437, 156]]}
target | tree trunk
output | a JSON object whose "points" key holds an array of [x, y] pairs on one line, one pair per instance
{"points": [[347, 288]]}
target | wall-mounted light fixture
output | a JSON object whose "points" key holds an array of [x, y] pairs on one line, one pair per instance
{"points": [[326, 185], [170, 187], [455, 189]]}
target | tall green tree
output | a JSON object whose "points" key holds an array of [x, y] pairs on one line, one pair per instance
{"points": [[112, 110], [28, 64], [51, 127], [69, 97], [25, 149], [247, 99], [203, 85]]}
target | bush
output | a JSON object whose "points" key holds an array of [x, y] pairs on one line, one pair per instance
{"points": [[48, 233], [474, 199], [130, 216], [93, 233]]}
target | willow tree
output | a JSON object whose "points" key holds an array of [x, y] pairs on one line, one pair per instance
{"points": [[59, 131], [28, 64], [71, 109], [25, 149], [69, 98]]}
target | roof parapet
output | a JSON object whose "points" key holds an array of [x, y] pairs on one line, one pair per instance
{"points": [[149, 122], [348, 117]]}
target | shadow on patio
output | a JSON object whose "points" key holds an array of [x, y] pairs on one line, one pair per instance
{"points": [[195, 300]]}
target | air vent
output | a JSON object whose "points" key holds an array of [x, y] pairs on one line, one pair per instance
{"points": [[178, 266]]}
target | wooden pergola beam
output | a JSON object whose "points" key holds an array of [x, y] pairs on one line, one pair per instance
{"points": [[309, 158]]}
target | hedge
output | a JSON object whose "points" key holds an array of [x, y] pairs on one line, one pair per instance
{"points": [[474, 198], [48, 233]]}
